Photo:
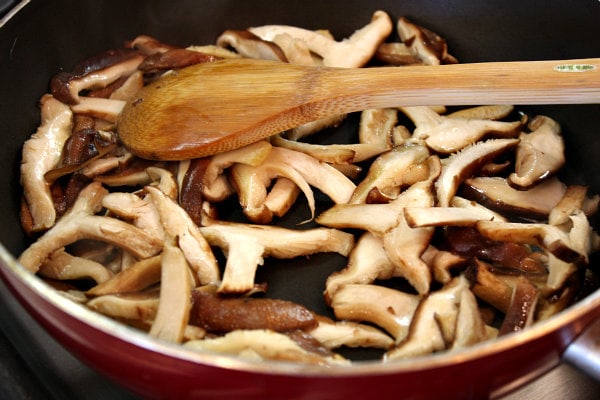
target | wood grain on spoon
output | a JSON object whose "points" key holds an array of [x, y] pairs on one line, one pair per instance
{"points": [[214, 107]]}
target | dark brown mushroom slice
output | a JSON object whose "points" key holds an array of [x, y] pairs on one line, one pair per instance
{"points": [[80, 149], [190, 197], [223, 314], [250, 45], [174, 59], [467, 241], [427, 45], [487, 286], [114, 64], [396, 54], [520, 313]]}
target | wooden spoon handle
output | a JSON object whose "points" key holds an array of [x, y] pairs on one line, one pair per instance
{"points": [[531, 82], [215, 107]]}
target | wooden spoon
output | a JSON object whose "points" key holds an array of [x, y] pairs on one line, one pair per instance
{"points": [[214, 107]]}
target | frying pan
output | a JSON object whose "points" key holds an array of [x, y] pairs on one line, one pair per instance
{"points": [[45, 37]]}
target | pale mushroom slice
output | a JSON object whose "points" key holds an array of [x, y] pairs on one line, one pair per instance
{"points": [[41, 153], [470, 327], [252, 182], [138, 277], [389, 170], [465, 215], [175, 303], [448, 135], [80, 222], [260, 345], [164, 180], [246, 244], [216, 313], [460, 166], [521, 311], [540, 154], [335, 334], [129, 88], [98, 107], [352, 52], [403, 245], [389, 309], [139, 306], [281, 197], [441, 263], [493, 112], [433, 325], [141, 212], [64, 266], [487, 286], [178, 224], [331, 153], [367, 262], [211, 181], [295, 50]]}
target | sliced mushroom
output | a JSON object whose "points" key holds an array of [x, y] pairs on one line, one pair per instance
{"points": [[434, 322], [539, 154], [334, 334], [41, 153], [333, 153], [390, 309], [249, 45], [352, 52], [81, 223], [97, 107], [470, 326], [428, 46], [304, 170], [388, 170], [97, 73], [461, 165], [175, 294], [570, 246], [246, 245], [136, 278], [142, 212], [222, 314], [281, 197], [263, 345], [448, 135], [64, 266], [129, 88], [493, 112], [132, 306], [177, 223], [442, 262], [367, 262]]}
